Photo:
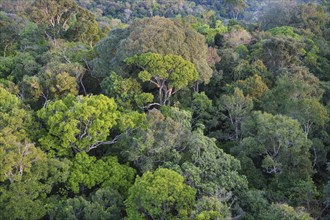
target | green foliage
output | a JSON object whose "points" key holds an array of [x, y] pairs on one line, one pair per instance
{"points": [[48, 86], [87, 171], [327, 190], [210, 32], [169, 142], [253, 86], [77, 124], [65, 19], [22, 200], [69, 53], [254, 203], [300, 93], [56, 129], [236, 108], [127, 92], [278, 52], [169, 73], [235, 7], [162, 140], [17, 154], [286, 31], [105, 203], [242, 50], [217, 170], [15, 67], [201, 107], [26, 199], [284, 211], [162, 195], [209, 208], [282, 149], [156, 35]]}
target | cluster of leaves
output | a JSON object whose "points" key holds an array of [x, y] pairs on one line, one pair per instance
{"points": [[192, 117]]}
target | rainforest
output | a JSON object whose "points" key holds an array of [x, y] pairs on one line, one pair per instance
{"points": [[165, 109]]}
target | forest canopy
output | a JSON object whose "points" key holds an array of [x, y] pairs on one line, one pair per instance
{"points": [[154, 109]]}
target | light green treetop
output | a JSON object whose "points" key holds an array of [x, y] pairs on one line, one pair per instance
{"points": [[160, 195], [169, 73], [77, 124]]}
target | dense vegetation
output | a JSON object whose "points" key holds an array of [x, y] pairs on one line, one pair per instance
{"points": [[152, 109]]}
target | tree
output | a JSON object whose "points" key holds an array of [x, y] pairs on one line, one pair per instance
{"points": [[279, 52], [211, 208], [56, 16], [23, 200], [280, 140], [16, 67], [284, 211], [161, 142], [300, 93], [254, 204], [236, 108], [310, 16], [48, 86], [87, 171], [237, 36], [280, 149], [10, 26], [327, 190], [276, 13], [205, 29], [253, 86], [162, 195], [105, 203], [17, 153], [155, 35], [169, 142], [168, 73], [202, 108], [65, 18], [236, 7], [217, 172], [27, 198], [77, 124], [127, 92]]}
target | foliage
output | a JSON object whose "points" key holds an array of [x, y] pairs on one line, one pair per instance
{"points": [[283, 150], [211, 208], [186, 109], [236, 108], [77, 124], [87, 171], [161, 194], [65, 18], [300, 94], [105, 203], [169, 73], [126, 91], [162, 140], [283, 211], [17, 153], [155, 35]]}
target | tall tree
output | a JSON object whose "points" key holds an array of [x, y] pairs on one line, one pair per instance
{"points": [[156, 35], [88, 172], [300, 94], [168, 73], [17, 153], [77, 124], [280, 149], [236, 108], [65, 19], [160, 195]]}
